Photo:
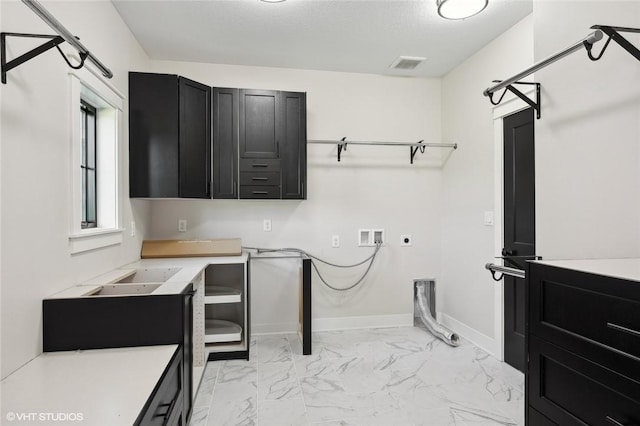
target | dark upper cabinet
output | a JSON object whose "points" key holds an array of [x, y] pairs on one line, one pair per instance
{"points": [[293, 152], [259, 148], [226, 112], [169, 137], [260, 132]]}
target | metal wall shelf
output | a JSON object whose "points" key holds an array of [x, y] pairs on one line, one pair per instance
{"points": [[413, 146]]}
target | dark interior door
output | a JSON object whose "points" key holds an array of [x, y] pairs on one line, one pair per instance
{"points": [[519, 227]]}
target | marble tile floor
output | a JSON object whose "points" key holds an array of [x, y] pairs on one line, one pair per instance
{"points": [[375, 377]]}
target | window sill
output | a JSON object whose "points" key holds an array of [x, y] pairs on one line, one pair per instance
{"points": [[91, 239]]}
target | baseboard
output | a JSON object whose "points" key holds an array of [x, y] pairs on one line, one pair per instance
{"points": [[481, 340], [370, 321], [273, 328]]}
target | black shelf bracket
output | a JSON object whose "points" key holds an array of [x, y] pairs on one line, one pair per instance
{"points": [[414, 150], [533, 104], [614, 34], [342, 146], [54, 41]]}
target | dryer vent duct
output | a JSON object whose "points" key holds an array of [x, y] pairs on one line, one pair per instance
{"points": [[424, 295]]}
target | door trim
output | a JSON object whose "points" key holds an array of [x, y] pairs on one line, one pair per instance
{"points": [[507, 107]]}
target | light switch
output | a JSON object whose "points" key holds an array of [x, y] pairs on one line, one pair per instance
{"points": [[488, 218]]}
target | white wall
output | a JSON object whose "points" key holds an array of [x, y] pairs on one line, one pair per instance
{"points": [[373, 187], [35, 169], [467, 290], [588, 141]]}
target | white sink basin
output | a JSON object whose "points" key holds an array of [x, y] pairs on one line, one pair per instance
{"points": [[150, 275], [123, 289]]}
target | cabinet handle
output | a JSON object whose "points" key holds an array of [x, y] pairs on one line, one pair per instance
{"points": [[623, 329], [260, 178], [169, 410], [615, 422], [259, 165], [259, 192]]}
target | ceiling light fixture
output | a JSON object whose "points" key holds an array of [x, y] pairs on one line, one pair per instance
{"points": [[273, 1], [460, 9]]}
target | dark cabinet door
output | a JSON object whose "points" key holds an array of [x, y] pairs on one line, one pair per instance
{"points": [[293, 152], [169, 137], [259, 130], [195, 139], [225, 142], [153, 135]]}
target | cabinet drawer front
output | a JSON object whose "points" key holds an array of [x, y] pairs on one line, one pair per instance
{"points": [[570, 390], [262, 165], [586, 313], [260, 178], [254, 191]]}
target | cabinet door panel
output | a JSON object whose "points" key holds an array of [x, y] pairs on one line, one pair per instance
{"points": [[294, 145], [195, 139], [153, 135], [225, 142], [572, 390], [259, 134], [588, 314]]}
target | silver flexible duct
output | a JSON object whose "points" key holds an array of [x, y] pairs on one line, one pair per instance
{"points": [[422, 302]]}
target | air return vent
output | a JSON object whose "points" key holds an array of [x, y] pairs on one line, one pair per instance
{"points": [[407, 62]]}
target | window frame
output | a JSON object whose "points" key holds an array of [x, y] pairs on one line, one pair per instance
{"points": [[89, 112], [86, 84]]}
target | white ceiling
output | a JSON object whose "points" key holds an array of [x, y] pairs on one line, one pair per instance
{"points": [[363, 36]]}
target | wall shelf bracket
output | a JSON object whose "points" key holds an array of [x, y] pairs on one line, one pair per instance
{"points": [[509, 88], [342, 145], [54, 41], [614, 34], [414, 150]]}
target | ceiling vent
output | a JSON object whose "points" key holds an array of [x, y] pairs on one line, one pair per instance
{"points": [[407, 62]]}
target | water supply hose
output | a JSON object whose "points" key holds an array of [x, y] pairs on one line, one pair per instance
{"points": [[422, 302]]}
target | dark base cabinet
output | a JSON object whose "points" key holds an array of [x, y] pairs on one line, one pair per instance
{"points": [[165, 406], [583, 342], [125, 321]]}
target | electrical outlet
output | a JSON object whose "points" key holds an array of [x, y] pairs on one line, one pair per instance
{"points": [[182, 225], [406, 240], [133, 228], [335, 241], [266, 225]]}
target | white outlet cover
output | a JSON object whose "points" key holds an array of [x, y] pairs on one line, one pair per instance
{"points": [[182, 225], [266, 225], [335, 241], [488, 218]]}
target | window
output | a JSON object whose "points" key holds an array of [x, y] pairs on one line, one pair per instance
{"points": [[88, 166], [96, 108]]}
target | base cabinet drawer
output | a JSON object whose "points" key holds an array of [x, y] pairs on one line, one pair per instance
{"points": [[571, 390], [165, 405]]}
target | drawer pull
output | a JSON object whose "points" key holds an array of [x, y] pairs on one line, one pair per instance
{"points": [[260, 178], [259, 192], [615, 422], [623, 329], [259, 165]]}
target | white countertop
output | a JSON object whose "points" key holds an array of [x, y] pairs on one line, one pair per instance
{"points": [[628, 269], [190, 267], [106, 386]]}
